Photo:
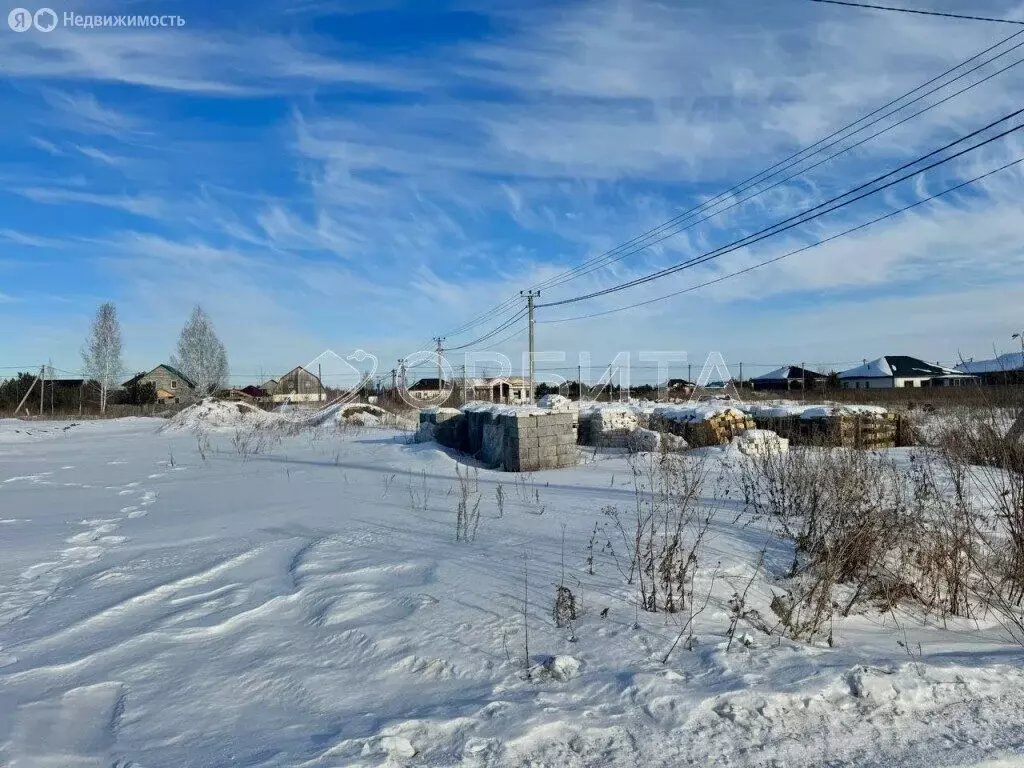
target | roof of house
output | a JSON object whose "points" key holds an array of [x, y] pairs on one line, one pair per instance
{"points": [[515, 381], [788, 372], [897, 366], [427, 384], [295, 370], [1011, 361], [165, 366]]}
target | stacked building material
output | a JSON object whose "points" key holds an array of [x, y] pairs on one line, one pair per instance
{"points": [[533, 441], [610, 425], [856, 426], [701, 424], [430, 418]]}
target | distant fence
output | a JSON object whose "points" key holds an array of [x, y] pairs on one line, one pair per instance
{"points": [[113, 412]]}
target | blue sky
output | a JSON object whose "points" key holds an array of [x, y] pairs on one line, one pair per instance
{"points": [[367, 175]]}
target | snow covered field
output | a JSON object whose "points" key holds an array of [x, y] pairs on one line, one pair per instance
{"points": [[164, 602]]}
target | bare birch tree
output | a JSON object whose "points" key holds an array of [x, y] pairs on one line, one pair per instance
{"points": [[101, 354], [201, 355]]}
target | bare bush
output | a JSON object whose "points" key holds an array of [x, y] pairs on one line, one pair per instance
{"points": [[668, 528], [254, 439], [842, 508], [944, 528], [467, 511]]}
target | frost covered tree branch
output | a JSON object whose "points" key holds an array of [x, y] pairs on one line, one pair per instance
{"points": [[201, 355], [101, 355]]}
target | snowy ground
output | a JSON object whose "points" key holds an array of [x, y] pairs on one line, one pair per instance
{"points": [[310, 607]]}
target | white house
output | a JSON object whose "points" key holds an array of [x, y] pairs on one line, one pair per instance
{"points": [[1006, 368], [500, 389], [897, 371]]}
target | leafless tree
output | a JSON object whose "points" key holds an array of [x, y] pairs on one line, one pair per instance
{"points": [[101, 354], [201, 355]]}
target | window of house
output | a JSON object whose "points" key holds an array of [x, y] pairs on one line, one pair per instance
{"points": [[867, 385], [174, 384]]}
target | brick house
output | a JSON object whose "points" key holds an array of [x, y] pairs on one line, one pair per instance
{"points": [[172, 386], [298, 386]]}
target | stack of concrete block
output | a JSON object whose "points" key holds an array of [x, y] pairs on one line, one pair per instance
{"points": [[535, 441], [430, 419], [556, 403], [611, 427]]}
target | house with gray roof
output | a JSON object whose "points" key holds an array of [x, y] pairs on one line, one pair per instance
{"points": [[898, 371]]}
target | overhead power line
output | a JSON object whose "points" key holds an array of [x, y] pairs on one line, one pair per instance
{"points": [[490, 334], [918, 11], [672, 232], [640, 242], [812, 213], [793, 252]]}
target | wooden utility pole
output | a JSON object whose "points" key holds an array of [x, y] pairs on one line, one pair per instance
{"points": [[530, 296], [42, 391], [29, 390], [579, 382]]}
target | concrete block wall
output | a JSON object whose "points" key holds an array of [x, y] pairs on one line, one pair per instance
{"points": [[535, 441]]}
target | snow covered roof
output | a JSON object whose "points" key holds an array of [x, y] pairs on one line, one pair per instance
{"points": [[788, 372], [1011, 361], [900, 366]]}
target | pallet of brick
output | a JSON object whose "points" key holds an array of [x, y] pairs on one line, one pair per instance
{"points": [[701, 424]]}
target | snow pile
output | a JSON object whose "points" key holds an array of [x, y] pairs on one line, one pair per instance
{"points": [[824, 411], [497, 409], [634, 406], [647, 440], [212, 413], [783, 410], [562, 668], [555, 403], [760, 442], [363, 414]]}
